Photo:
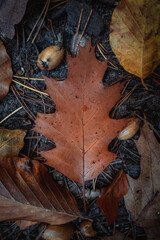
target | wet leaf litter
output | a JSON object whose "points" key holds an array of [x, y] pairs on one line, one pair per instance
{"points": [[27, 96]]}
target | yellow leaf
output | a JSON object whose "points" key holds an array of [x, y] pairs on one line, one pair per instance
{"points": [[135, 35], [11, 142]]}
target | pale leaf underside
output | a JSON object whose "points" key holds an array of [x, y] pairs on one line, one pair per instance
{"points": [[143, 198]]}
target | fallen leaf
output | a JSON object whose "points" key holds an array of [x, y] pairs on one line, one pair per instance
{"points": [[143, 198], [135, 35], [81, 126], [5, 71], [60, 232], [11, 142], [11, 13], [24, 224], [109, 201], [27, 192]]}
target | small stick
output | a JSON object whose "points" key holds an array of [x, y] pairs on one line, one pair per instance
{"points": [[79, 22], [28, 78], [11, 114], [32, 89], [59, 4], [21, 101], [48, 3], [84, 29], [37, 22]]}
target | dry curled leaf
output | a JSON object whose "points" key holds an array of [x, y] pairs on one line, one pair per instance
{"points": [[81, 126], [11, 13], [59, 232], [27, 192], [109, 201], [135, 35], [5, 71], [11, 142], [24, 224], [143, 198]]}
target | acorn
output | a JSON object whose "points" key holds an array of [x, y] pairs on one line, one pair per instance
{"points": [[130, 130], [59, 232], [50, 57], [86, 229]]}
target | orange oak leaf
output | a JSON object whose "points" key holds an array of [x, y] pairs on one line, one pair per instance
{"points": [[109, 201], [81, 126]]}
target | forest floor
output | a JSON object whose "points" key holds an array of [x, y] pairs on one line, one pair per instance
{"points": [[60, 28]]}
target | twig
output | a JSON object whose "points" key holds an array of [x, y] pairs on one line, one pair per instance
{"points": [[32, 89], [48, 2], [84, 29], [21, 101], [37, 21], [79, 22], [28, 78], [10, 114]]}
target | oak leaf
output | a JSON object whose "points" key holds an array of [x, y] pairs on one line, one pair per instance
{"points": [[135, 35], [143, 198], [5, 71], [11, 142], [27, 192], [109, 201], [81, 126], [11, 13]]}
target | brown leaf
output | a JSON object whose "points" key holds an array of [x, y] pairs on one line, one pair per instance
{"points": [[109, 201], [11, 13], [11, 142], [5, 71], [135, 35], [27, 192], [81, 126], [24, 224], [143, 198]]}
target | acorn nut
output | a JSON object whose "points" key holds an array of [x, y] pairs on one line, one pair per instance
{"points": [[87, 230], [50, 57], [130, 130]]}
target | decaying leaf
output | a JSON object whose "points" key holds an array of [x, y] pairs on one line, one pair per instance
{"points": [[109, 201], [135, 35], [22, 224], [81, 126], [11, 13], [11, 142], [27, 192], [5, 71], [143, 198], [59, 232]]}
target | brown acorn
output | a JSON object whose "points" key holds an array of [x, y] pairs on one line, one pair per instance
{"points": [[59, 232], [130, 130], [50, 57], [87, 230]]}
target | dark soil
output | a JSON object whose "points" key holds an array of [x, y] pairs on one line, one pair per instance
{"points": [[59, 28]]}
